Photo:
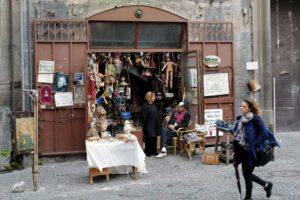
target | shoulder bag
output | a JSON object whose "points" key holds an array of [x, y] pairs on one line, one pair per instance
{"points": [[264, 156]]}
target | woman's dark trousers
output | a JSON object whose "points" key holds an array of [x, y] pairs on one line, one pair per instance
{"points": [[150, 146], [242, 156]]}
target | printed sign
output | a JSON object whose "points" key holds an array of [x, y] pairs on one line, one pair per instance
{"points": [[63, 99], [216, 84], [79, 78], [211, 61], [252, 65], [211, 116], [45, 71]]}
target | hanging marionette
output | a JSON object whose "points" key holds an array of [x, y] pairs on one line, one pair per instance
{"points": [[102, 61], [93, 65], [110, 69], [91, 88], [127, 61], [169, 66], [118, 64], [148, 64]]}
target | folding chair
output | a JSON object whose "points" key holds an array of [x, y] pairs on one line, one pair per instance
{"points": [[193, 140], [178, 139]]}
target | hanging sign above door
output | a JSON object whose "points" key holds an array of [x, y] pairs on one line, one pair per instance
{"points": [[211, 61]]}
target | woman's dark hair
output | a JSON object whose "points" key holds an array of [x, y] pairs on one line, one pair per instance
{"points": [[253, 106]]}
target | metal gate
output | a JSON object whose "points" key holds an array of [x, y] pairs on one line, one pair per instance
{"points": [[62, 130], [215, 39]]}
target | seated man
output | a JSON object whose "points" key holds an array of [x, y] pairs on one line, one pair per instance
{"points": [[180, 119]]}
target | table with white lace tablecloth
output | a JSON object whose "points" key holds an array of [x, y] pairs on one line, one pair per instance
{"points": [[103, 155]]}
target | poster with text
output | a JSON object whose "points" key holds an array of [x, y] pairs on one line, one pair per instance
{"points": [[63, 99], [45, 71], [211, 116]]}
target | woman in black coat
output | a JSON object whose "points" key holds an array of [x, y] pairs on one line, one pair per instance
{"points": [[151, 124]]}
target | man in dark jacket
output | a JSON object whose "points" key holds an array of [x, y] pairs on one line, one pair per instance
{"points": [[180, 119]]}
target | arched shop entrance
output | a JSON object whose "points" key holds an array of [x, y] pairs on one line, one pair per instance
{"points": [[137, 40]]}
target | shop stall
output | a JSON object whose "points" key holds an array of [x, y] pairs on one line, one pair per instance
{"points": [[94, 73]]}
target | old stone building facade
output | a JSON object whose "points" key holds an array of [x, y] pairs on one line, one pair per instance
{"points": [[251, 42]]}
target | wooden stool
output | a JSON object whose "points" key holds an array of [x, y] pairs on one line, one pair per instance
{"points": [[96, 172]]}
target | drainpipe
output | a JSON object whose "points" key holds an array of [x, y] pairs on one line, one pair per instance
{"points": [[11, 48], [22, 56], [30, 81]]}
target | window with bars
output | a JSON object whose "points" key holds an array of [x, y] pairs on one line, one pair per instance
{"points": [[48, 31], [136, 35]]}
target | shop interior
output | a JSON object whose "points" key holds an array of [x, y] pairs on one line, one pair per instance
{"points": [[118, 83]]}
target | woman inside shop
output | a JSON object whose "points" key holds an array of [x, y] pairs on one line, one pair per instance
{"points": [[151, 124], [180, 119]]}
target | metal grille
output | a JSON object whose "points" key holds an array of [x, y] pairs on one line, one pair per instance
{"points": [[48, 31], [210, 32]]}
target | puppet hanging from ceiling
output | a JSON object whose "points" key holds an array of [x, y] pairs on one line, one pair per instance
{"points": [[169, 65]]}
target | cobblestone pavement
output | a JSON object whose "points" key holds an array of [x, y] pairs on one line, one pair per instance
{"points": [[173, 177]]}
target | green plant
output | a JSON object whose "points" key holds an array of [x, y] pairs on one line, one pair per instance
{"points": [[16, 165], [41, 162], [8, 168], [4, 152]]}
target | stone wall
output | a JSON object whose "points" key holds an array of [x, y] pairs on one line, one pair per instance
{"points": [[5, 83]]}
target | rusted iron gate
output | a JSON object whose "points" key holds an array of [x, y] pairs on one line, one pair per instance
{"points": [[62, 130], [215, 39]]}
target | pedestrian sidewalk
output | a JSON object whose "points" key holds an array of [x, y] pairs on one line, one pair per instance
{"points": [[172, 177]]}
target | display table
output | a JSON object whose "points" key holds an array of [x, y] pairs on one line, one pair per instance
{"points": [[103, 155], [139, 135], [227, 154]]}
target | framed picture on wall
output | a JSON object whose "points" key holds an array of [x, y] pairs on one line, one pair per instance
{"points": [[61, 82], [24, 135]]}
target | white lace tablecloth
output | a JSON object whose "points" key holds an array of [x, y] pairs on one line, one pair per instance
{"points": [[113, 154]]}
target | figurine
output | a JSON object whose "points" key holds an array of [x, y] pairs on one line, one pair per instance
{"points": [[92, 134], [123, 83], [101, 121], [93, 65], [127, 61], [169, 72], [102, 98], [91, 110], [110, 86], [91, 88], [118, 64], [139, 61], [110, 69], [102, 63], [127, 127]]}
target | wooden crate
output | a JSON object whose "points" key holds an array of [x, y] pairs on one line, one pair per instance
{"points": [[210, 158]]}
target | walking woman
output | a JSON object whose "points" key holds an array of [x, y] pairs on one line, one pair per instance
{"points": [[249, 133], [151, 124]]}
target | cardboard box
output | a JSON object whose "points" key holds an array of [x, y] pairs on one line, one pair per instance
{"points": [[210, 158]]}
